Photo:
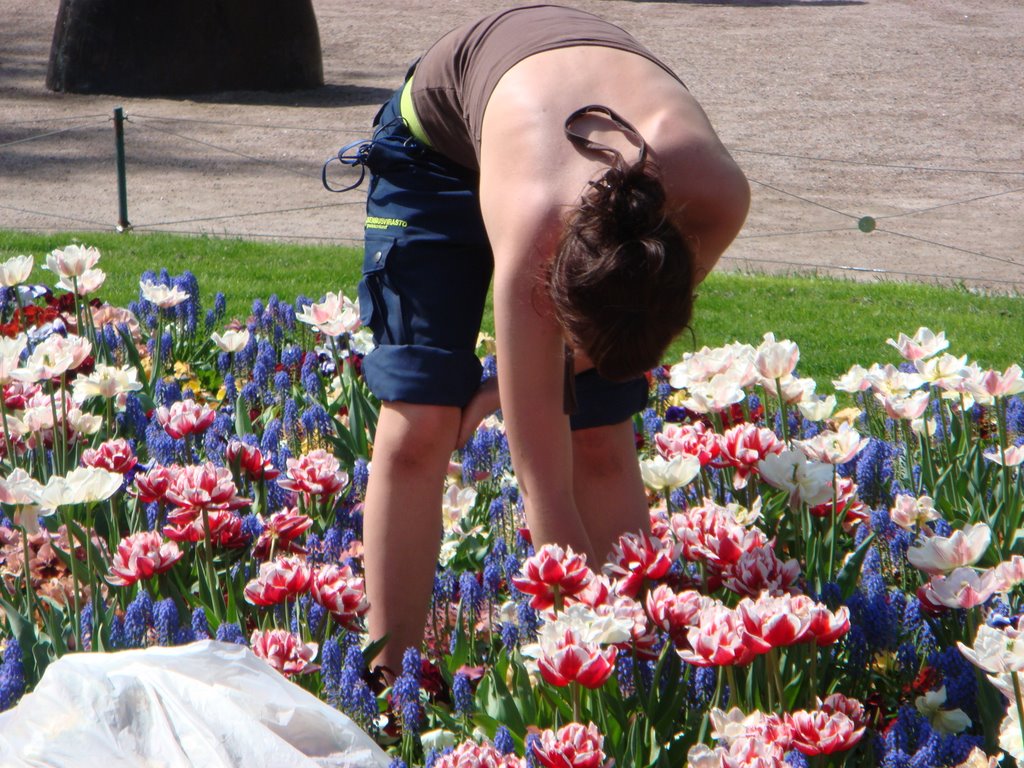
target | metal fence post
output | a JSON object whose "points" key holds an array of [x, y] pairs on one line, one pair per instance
{"points": [[123, 224]]}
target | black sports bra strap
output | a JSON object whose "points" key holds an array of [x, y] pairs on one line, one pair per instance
{"points": [[622, 124]]}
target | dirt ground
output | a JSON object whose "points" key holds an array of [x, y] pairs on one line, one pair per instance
{"points": [[906, 111]]}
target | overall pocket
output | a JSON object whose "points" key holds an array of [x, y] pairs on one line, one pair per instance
{"points": [[380, 306]]}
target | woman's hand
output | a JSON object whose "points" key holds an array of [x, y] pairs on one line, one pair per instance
{"points": [[485, 402]]}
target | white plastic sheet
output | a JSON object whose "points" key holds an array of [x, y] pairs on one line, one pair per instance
{"points": [[207, 704]]}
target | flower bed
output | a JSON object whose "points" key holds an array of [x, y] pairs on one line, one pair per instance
{"points": [[818, 586]]}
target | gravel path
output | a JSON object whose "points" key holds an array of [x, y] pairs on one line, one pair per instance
{"points": [[904, 111]]}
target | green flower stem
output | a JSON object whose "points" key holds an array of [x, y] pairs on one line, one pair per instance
{"points": [[834, 528], [1015, 676], [63, 425], [813, 675], [157, 351], [965, 423], [946, 458], [773, 664], [1004, 471], [211, 574], [730, 674], [908, 474], [782, 412], [574, 692], [27, 569], [11, 456], [58, 469], [78, 305], [111, 419], [76, 630]]}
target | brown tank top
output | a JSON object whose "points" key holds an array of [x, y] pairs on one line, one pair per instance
{"points": [[454, 80]]}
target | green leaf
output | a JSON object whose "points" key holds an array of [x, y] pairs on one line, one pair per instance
{"points": [[850, 572], [243, 424]]}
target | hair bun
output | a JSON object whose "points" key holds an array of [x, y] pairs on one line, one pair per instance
{"points": [[632, 199]]}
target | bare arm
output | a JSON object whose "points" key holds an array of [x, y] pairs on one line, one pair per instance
{"points": [[523, 224]]}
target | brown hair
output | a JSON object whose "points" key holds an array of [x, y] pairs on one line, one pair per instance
{"points": [[622, 278]]}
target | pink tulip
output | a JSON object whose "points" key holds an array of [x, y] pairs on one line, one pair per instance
{"points": [[1011, 457], [333, 316], [572, 660], [72, 260], [186, 526], [280, 532], [573, 746], [185, 417], [936, 555], [720, 640], [204, 486], [674, 612], [142, 556], [743, 447], [472, 755], [992, 384], [775, 359], [316, 473], [854, 380], [908, 512], [1009, 573], [643, 639], [342, 593], [15, 271], [112, 455], [773, 620], [758, 570], [826, 626], [831, 447], [688, 440], [279, 580], [754, 752], [852, 509], [249, 460], [710, 534], [907, 408], [284, 651], [597, 593], [638, 557], [17, 394], [963, 588], [922, 344], [819, 733], [852, 708], [162, 296], [152, 485], [552, 571]]}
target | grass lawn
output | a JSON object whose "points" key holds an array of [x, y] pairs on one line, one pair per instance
{"points": [[835, 322]]}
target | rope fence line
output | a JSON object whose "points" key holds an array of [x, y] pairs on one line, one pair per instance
{"points": [[251, 213], [311, 129], [894, 166], [947, 205], [223, 149], [47, 135], [5, 123], [55, 216], [144, 123], [873, 270]]}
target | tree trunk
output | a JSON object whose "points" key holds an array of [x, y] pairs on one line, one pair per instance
{"points": [[167, 47]]}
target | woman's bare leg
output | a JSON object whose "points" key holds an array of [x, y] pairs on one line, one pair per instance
{"points": [[609, 492], [402, 521]]}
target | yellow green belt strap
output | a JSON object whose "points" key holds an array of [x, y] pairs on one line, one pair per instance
{"points": [[408, 112]]}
